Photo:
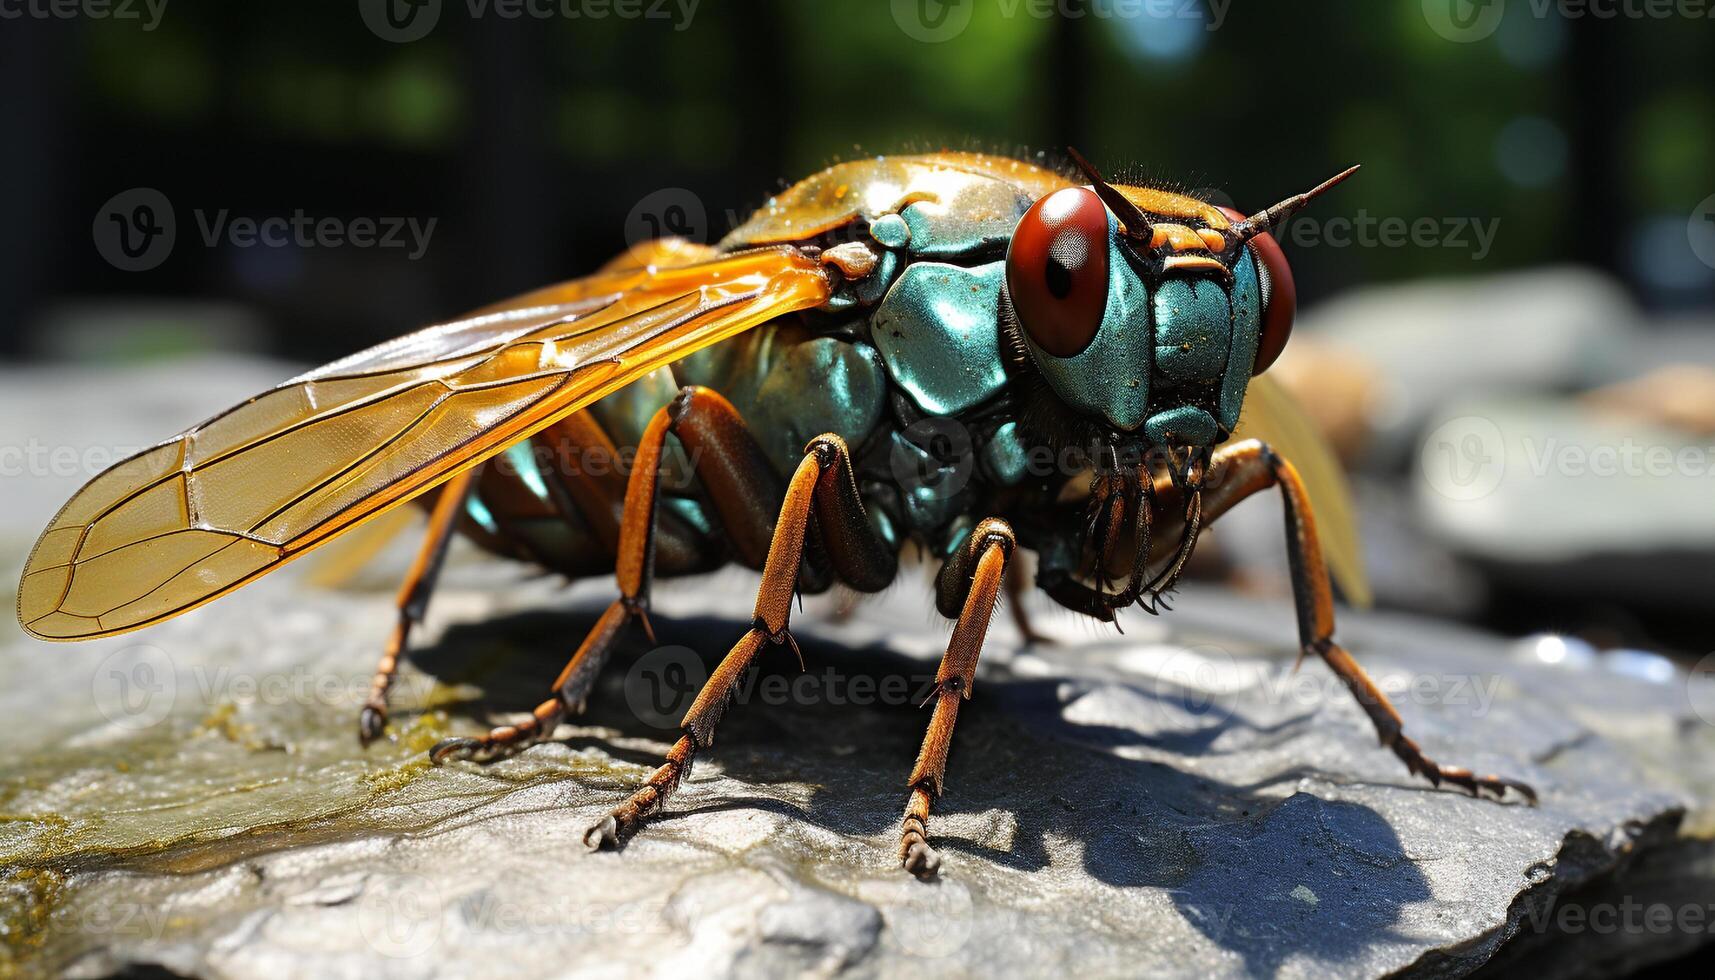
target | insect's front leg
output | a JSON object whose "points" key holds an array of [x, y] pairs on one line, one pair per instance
{"points": [[978, 572], [1244, 469], [822, 486], [413, 598]]}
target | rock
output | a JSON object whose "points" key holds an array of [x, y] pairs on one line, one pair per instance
{"points": [[1434, 341], [192, 800], [1568, 499], [1171, 801]]}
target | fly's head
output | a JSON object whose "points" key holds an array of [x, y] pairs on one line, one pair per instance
{"points": [[1140, 317]]}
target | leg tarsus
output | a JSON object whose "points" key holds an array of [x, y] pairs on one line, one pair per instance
{"points": [[460, 746], [504, 740], [602, 833], [624, 819], [371, 722], [915, 854]]}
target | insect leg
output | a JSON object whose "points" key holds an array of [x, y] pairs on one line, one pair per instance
{"points": [[1017, 584], [413, 598], [1248, 467], [990, 550], [821, 488], [742, 486]]}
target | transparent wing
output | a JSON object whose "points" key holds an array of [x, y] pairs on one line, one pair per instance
{"points": [[235, 497], [1274, 417]]}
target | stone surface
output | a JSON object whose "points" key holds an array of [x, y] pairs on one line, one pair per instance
{"points": [[1173, 801]]}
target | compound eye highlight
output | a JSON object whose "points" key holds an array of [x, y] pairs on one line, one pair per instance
{"points": [[1057, 270]]}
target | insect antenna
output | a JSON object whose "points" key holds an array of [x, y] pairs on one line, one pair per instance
{"points": [[1137, 226], [1267, 218]]}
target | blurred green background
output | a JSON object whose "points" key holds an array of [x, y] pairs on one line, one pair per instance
{"points": [[532, 139]]}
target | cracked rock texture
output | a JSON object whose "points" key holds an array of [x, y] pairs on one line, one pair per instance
{"points": [[1174, 801]]}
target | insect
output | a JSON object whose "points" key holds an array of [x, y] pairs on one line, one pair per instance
{"points": [[883, 354]]}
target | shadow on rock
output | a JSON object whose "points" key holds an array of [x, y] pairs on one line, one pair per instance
{"points": [[1028, 787]]}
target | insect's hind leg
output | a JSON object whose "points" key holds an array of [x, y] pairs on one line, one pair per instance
{"points": [[824, 489], [743, 487], [413, 599], [1249, 467]]}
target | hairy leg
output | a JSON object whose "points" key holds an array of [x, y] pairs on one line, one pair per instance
{"points": [[823, 488], [986, 556], [739, 481]]}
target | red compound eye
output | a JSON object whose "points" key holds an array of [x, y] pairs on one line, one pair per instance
{"points": [[1279, 297], [1057, 270]]}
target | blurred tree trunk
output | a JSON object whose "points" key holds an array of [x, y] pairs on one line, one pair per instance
{"points": [[36, 61], [1601, 97]]}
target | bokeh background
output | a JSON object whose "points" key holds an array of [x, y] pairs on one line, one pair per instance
{"points": [[1549, 180]]}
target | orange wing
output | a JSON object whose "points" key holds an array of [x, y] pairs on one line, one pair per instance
{"points": [[237, 496]]}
